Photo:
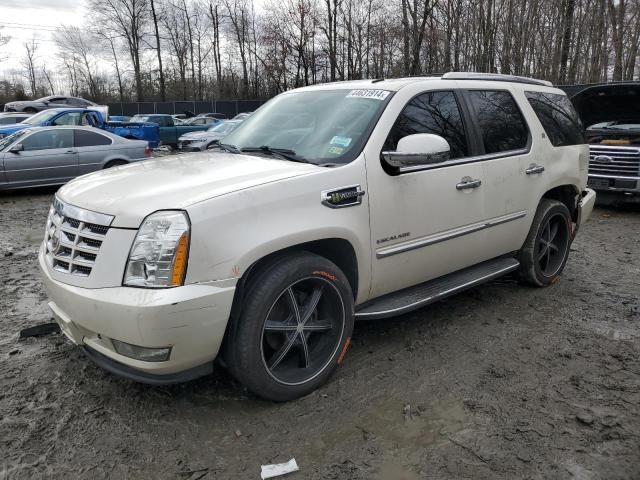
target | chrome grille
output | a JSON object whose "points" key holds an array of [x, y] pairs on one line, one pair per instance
{"points": [[614, 161], [72, 244]]}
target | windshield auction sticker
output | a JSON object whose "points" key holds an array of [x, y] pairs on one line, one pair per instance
{"points": [[369, 93]]}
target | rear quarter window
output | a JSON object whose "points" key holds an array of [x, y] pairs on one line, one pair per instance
{"points": [[558, 117], [501, 124]]}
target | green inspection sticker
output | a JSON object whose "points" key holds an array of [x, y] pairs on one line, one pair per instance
{"points": [[341, 141], [336, 150]]}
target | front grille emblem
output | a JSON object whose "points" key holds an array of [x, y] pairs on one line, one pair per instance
{"points": [[55, 240], [603, 159]]}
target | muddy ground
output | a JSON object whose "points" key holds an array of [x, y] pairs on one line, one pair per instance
{"points": [[500, 382]]}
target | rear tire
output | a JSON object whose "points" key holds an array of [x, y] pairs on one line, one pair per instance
{"points": [[294, 327], [115, 163], [546, 249], [30, 110]]}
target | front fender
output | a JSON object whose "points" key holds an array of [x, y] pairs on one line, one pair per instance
{"points": [[232, 232]]}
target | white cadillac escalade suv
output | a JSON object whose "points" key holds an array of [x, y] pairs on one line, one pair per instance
{"points": [[331, 203]]}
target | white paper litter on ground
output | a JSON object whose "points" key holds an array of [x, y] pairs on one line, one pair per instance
{"points": [[270, 471]]}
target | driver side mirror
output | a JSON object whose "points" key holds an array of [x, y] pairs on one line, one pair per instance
{"points": [[18, 147], [418, 149]]}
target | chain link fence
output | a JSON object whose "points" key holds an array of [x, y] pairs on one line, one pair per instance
{"points": [[227, 107]]}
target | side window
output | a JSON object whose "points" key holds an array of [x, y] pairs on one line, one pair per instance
{"points": [[431, 112], [59, 100], [87, 120], [85, 138], [499, 120], [558, 117], [71, 118], [49, 139]]}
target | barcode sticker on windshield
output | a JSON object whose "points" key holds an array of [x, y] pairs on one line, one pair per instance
{"points": [[369, 93]]}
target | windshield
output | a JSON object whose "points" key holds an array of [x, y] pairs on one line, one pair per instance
{"points": [[8, 140], [224, 127], [320, 126], [41, 117]]}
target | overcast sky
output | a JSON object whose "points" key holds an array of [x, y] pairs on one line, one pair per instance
{"points": [[22, 19]]}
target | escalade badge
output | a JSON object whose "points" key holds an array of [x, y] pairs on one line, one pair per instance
{"points": [[342, 197], [603, 159]]}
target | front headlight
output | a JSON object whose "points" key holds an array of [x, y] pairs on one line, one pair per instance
{"points": [[158, 257]]}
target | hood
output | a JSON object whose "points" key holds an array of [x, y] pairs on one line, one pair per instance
{"points": [[13, 128], [132, 192], [21, 103], [608, 102]]}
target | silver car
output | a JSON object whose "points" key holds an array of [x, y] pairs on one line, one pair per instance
{"points": [[197, 141], [54, 155]]}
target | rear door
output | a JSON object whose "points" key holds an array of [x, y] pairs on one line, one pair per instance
{"points": [[93, 148], [504, 143], [48, 158]]}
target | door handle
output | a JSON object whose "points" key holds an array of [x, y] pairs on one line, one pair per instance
{"points": [[468, 182], [70, 151], [534, 168]]}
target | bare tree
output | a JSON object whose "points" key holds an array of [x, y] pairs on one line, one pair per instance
{"points": [[154, 16], [29, 63], [76, 44], [4, 39], [127, 19]]}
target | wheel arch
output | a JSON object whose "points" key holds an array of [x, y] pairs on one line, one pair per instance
{"points": [[110, 161], [337, 250], [567, 194]]}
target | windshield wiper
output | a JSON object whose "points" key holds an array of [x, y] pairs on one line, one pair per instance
{"points": [[283, 153]]}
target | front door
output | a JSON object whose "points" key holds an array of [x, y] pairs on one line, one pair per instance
{"points": [[427, 222], [48, 158]]}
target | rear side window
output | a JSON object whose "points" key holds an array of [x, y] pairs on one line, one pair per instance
{"points": [[431, 112], [499, 120], [84, 138], [558, 117], [48, 139]]}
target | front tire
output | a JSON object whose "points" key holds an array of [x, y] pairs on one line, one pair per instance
{"points": [[546, 249], [294, 328]]}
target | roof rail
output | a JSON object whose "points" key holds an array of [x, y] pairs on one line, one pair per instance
{"points": [[494, 77]]}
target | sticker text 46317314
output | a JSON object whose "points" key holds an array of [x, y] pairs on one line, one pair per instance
{"points": [[369, 93]]}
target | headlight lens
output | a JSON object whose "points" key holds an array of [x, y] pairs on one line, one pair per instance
{"points": [[158, 257]]}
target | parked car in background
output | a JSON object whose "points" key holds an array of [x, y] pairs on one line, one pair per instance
{"points": [[44, 103], [169, 130], [10, 118], [202, 121], [197, 141], [119, 118], [336, 202], [220, 116], [54, 155], [78, 116], [611, 113], [242, 116]]}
